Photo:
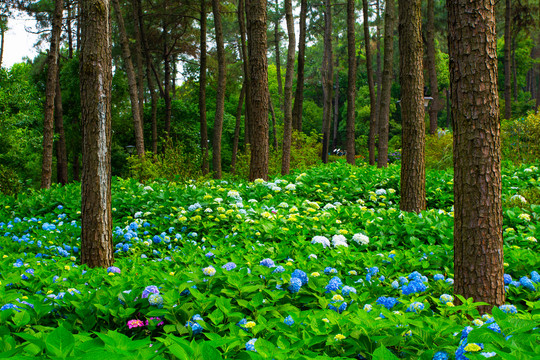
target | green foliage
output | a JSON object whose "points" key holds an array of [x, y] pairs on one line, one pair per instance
{"points": [[9, 181], [176, 163], [439, 150], [519, 139]]}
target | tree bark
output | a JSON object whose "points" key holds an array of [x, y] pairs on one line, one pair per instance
{"points": [[61, 152], [327, 75], [299, 94], [277, 40], [378, 74], [220, 93], [2, 32], [336, 104], [258, 74], [50, 93], [507, 61], [287, 105], [69, 30], [411, 53], [132, 81], [167, 80], [245, 63], [372, 96], [514, 71], [139, 58], [95, 79], [236, 138], [432, 68], [478, 243], [386, 86], [202, 93]]}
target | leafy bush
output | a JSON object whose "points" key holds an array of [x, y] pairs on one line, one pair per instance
{"points": [[9, 181], [519, 139], [439, 150]]}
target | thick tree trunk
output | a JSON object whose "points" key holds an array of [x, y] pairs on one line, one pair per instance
{"points": [[478, 243], [132, 81], [507, 61], [245, 63], [299, 94], [327, 75], [432, 68], [61, 151], [220, 93], [236, 138], [96, 78], [378, 74], [202, 93], [386, 86], [372, 96], [287, 105], [411, 53], [277, 40], [258, 74], [50, 92], [351, 82]]}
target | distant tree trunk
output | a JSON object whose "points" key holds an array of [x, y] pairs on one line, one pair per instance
{"points": [[478, 243], [411, 53], [507, 61], [167, 78], [287, 105], [202, 93], [378, 73], [139, 58], [514, 67], [236, 138], [95, 79], [50, 92], [174, 74], [220, 93], [372, 96], [384, 112], [69, 30], [432, 68], [2, 32], [61, 152], [336, 105], [245, 63], [258, 74], [273, 117], [299, 94], [149, 78], [277, 40], [536, 56], [351, 82], [132, 81], [327, 74]]}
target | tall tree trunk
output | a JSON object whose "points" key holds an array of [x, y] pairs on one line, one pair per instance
{"points": [[258, 74], [299, 94], [537, 57], [95, 79], [202, 93], [132, 81], [478, 243], [245, 63], [287, 105], [514, 67], [372, 96], [507, 61], [336, 104], [432, 68], [149, 78], [351, 82], [220, 93], [2, 32], [236, 138], [277, 40], [167, 80], [69, 30], [327, 74], [411, 53], [50, 92], [386, 86], [378, 72], [61, 152], [139, 58]]}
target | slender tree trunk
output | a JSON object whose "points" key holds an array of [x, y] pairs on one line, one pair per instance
{"points": [[514, 67], [372, 96], [258, 74], [537, 57], [274, 130], [61, 152], [245, 63], [336, 104], [478, 243], [507, 61], [132, 81], [432, 68], [351, 82], [167, 79], [50, 92], [139, 57], [2, 32], [220, 94], [299, 94], [277, 40], [202, 93], [411, 53], [327, 74], [174, 74], [236, 138], [384, 112], [378, 73], [96, 78], [287, 105]]}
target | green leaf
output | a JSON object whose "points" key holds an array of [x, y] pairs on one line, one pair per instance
{"points": [[21, 318], [383, 353], [210, 353], [60, 342]]}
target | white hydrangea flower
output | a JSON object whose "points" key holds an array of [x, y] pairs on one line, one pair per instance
{"points": [[380, 192], [323, 240], [361, 239], [339, 240]]}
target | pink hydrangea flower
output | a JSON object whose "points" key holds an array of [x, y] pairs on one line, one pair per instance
{"points": [[135, 323]]}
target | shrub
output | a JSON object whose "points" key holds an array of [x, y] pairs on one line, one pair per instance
{"points": [[519, 139], [9, 181], [439, 152]]}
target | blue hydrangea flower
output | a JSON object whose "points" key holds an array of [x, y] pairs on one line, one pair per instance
{"points": [[437, 277], [507, 279], [440, 355], [250, 345], [527, 283], [295, 285], [195, 327], [268, 263], [347, 290], [415, 307], [279, 269], [241, 324], [289, 321], [334, 284], [395, 284], [152, 289], [494, 327], [114, 269], [229, 266], [509, 309], [414, 286], [330, 270], [387, 302], [535, 277], [10, 306], [299, 274], [155, 300]]}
